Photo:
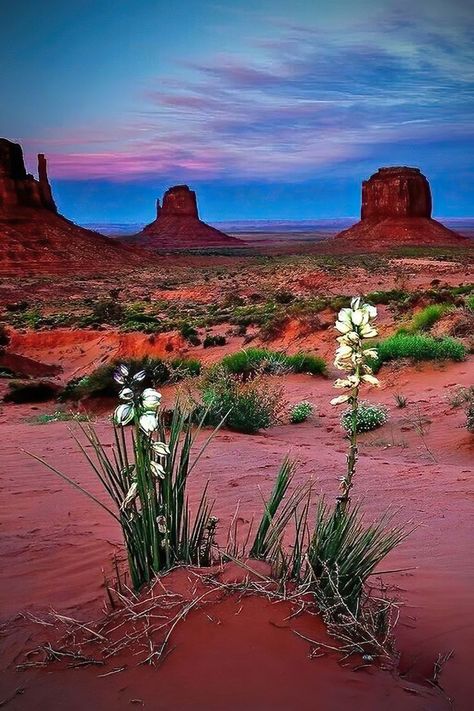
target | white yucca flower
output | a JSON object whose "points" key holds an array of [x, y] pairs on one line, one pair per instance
{"points": [[131, 496], [124, 414], [157, 470], [160, 448], [151, 399], [355, 324], [148, 422]]}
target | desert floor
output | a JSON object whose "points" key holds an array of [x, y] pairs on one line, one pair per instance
{"points": [[235, 651]]}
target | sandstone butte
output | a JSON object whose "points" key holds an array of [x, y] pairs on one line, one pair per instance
{"points": [[396, 210], [34, 238], [177, 225]]}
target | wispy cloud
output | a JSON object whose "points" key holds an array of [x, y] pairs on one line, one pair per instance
{"points": [[313, 100]]}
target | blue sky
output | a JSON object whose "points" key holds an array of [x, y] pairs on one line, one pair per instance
{"points": [[269, 110]]}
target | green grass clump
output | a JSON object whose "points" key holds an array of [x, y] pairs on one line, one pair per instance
{"points": [[470, 302], [250, 361], [306, 363], [426, 318], [418, 347], [300, 412], [101, 383], [368, 417]]}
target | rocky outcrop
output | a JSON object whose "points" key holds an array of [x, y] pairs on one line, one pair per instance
{"points": [[19, 189], [177, 225], [396, 210], [179, 201], [34, 238], [396, 192]]}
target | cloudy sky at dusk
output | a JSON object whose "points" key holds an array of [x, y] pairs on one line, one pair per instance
{"points": [[269, 109]]}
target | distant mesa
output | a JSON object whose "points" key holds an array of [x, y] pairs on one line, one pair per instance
{"points": [[396, 210], [34, 238], [177, 225]]}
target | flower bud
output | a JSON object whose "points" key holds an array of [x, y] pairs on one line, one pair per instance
{"points": [[124, 414]]}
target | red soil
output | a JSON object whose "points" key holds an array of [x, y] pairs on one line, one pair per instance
{"points": [[77, 352], [55, 542]]}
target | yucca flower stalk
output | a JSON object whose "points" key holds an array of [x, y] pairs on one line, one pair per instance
{"points": [[355, 324]]}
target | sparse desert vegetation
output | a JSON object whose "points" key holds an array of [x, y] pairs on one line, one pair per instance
{"points": [[236, 353]]}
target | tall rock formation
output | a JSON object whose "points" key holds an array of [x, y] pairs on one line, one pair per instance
{"points": [[177, 225], [34, 238], [396, 210], [19, 189]]}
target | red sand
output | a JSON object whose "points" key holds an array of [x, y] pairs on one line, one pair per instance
{"points": [[55, 542]]}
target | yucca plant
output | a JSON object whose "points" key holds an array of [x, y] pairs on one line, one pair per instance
{"points": [[145, 475], [274, 521], [343, 552], [335, 558]]}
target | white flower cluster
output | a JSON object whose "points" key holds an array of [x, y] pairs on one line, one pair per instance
{"points": [[145, 406], [355, 324], [369, 417]]}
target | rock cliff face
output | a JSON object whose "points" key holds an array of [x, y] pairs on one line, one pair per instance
{"points": [[19, 189], [34, 238], [179, 201], [177, 225], [396, 192], [396, 210]]}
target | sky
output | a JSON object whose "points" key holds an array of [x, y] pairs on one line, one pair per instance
{"points": [[269, 109]]}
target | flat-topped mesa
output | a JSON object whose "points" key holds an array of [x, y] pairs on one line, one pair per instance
{"points": [[396, 211], [398, 191], [179, 201], [19, 189], [177, 224]]}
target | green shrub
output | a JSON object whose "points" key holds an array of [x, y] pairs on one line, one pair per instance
{"points": [[211, 341], [426, 318], [418, 347], [368, 417], [31, 391], [470, 302], [107, 311], [190, 334], [100, 383], [300, 412], [250, 405]]}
